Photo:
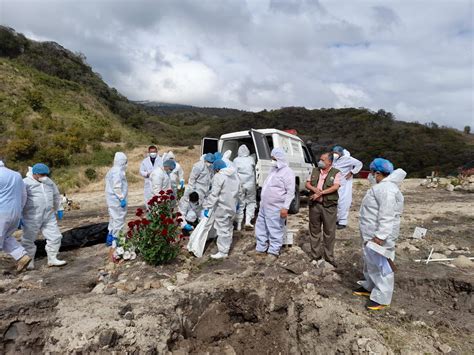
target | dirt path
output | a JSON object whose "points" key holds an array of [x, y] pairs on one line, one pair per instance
{"points": [[243, 305]]}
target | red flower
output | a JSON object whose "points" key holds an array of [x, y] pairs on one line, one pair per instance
{"points": [[145, 222], [162, 192], [181, 236], [169, 192], [164, 198], [129, 234], [172, 198], [169, 221], [164, 232], [178, 214], [162, 217], [131, 224], [139, 212], [179, 220]]}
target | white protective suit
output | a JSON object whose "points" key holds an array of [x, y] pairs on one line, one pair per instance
{"points": [[190, 211], [12, 200], [177, 175], [200, 179], [346, 164], [380, 213], [116, 189], [226, 159], [39, 215], [223, 201], [146, 168], [245, 166], [160, 181]]}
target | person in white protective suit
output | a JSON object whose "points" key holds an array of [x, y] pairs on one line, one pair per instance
{"points": [[12, 200], [177, 175], [116, 192], [190, 208], [160, 177], [277, 193], [201, 176], [379, 224], [43, 202], [223, 201], [148, 164], [226, 159], [245, 166], [348, 166]]}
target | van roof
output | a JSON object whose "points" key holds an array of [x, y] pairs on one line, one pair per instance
{"points": [[241, 134]]}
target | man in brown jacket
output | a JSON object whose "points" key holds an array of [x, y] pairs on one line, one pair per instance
{"points": [[323, 185]]}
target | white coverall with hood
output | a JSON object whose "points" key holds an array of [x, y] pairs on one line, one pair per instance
{"points": [[222, 201], [146, 168], [200, 179], [39, 215], [345, 164], [245, 166], [277, 193], [12, 200], [190, 211], [160, 181], [380, 213], [177, 175], [116, 189]]}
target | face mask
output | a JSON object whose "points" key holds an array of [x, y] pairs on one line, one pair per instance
{"points": [[321, 164], [335, 156], [43, 179], [274, 163], [153, 155], [372, 179]]}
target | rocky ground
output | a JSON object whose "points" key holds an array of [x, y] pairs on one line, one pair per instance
{"points": [[246, 305]]}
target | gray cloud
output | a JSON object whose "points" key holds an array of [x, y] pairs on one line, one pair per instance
{"points": [[258, 54]]}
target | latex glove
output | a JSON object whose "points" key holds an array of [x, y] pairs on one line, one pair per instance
{"points": [[206, 213], [188, 227], [110, 239], [123, 203], [181, 184], [60, 215]]}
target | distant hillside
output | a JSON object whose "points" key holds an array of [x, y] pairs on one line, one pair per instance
{"points": [[167, 109]]}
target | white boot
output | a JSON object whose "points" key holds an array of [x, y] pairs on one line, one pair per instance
{"points": [[31, 265], [219, 255], [54, 261]]}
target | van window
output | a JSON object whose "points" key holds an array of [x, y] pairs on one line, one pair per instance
{"points": [[307, 155], [234, 144]]}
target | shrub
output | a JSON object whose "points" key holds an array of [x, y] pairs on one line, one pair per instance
{"points": [[91, 174], [35, 100], [156, 234], [115, 135]]}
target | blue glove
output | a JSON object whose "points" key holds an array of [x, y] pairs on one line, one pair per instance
{"points": [[110, 239], [60, 215], [188, 227], [206, 213], [20, 224], [123, 203], [181, 183], [237, 208]]}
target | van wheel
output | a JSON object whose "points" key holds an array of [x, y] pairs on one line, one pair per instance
{"points": [[295, 204]]}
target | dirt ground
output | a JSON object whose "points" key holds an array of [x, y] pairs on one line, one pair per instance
{"points": [[246, 305]]}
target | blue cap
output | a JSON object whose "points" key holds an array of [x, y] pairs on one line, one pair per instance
{"points": [[338, 149], [169, 164], [218, 156], [41, 169], [381, 165], [209, 157], [219, 164]]}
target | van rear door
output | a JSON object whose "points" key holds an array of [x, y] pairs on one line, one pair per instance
{"points": [[261, 145], [209, 145]]}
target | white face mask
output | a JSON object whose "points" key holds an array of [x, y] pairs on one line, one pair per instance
{"points": [[43, 179], [321, 164], [335, 156], [153, 155], [274, 163], [372, 179]]}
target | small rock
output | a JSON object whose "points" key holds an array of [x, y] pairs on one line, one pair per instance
{"points": [[450, 187], [99, 288], [108, 337], [445, 348], [26, 277], [463, 262], [129, 315], [125, 309], [12, 291], [147, 285], [452, 247], [430, 313], [110, 291], [181, 277], [438, 256], [402, 312], [155, 284]]}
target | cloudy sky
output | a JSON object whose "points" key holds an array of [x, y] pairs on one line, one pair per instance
{"points": [[411, 57]]}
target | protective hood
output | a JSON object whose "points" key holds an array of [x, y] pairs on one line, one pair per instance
{"points": [[170, 155], [279, 155], [346, 153], [243, 151], [227, 154], [120, 160], [29, 173], [397, 177]]}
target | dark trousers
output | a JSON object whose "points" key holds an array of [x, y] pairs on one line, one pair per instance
{"points": [[322, 245]]}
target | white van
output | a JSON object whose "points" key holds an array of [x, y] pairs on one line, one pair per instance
{"points": [[260, 143]]}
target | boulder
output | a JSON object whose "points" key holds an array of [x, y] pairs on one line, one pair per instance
{"points": [[463, 262]]}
